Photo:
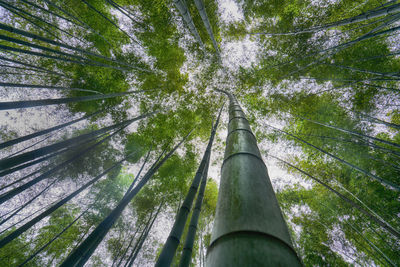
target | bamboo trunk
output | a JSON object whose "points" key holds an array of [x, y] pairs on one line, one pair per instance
{"points": [[34, 68], [29, 52], [126, 249], [376, 120], [351, 132], [33, 23], [140, 238], [10, 8], [49, 11], [109, 20], [191, 234], [31, 163], [173, 240], [38, 86], [79, 59], [126, 13], [249, 229], [28, 202]]}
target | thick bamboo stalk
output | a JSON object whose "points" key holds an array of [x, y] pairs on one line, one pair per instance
{"points": [[249, 229]]}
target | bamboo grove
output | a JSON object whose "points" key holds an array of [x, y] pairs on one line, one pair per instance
{"points": [[139, 133]]}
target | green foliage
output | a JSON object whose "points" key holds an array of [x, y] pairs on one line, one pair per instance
{"points": [[16, 252], [105, 195], [62, 246]]}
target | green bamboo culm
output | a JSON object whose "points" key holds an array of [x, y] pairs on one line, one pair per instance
{"points": [[173, 240], [194, 220], [249, 229]]}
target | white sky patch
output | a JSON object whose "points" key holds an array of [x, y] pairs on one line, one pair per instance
{"points": [[230, 11], [239, 53]]}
